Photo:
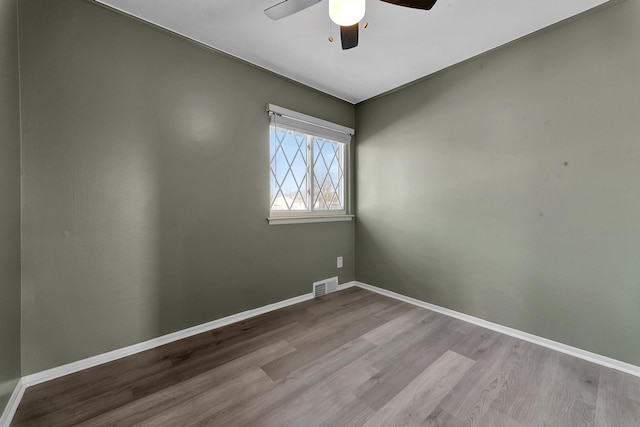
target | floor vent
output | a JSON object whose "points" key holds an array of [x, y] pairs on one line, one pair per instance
{"points": [[319, 289], [324, 287]]}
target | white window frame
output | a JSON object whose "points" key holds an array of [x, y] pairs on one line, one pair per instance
{"points": [[312, 127]]}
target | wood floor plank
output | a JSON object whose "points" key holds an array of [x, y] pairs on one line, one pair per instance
{"points": [[245, 413], [353, 413], [441, 418], [620, 384], [462, 327], [398, 368], [416, 401], [613, 410], [82, 410], [346, 359], [327, 323], [157, 359], [570, 399], [328, 396], [146, 407], [496, 419], [618, 402], [399, 344], [472, 397], [244, 386], [315, 346], [391, 329], [335, 313], [155, 366], [395, 310], [197, 363], [67, 391], [329, 305], [528, 380], [74, 385], [476, 343]]}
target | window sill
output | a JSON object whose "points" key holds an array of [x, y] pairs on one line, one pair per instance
{"points": [[282, 220]]}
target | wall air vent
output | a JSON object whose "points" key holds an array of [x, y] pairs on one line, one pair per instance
{"points": [[324, 287], [320, 289]]}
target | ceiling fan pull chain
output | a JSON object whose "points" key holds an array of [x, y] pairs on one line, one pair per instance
{"points": [[365, 23], [330, 31]]}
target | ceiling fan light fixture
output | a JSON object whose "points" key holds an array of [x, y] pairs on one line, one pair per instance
{"points": [[346, 12]]}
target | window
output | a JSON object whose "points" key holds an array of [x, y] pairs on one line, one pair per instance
{"points": [[308, 168]]}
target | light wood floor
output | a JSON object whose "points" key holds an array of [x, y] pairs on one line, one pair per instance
{"points": [[350, 358]]}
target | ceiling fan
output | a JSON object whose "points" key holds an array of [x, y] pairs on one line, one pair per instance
{"points": [[345, 13]]}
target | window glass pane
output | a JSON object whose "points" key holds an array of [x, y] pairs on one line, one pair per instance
{"points": [[289, 187], [328, 175]]}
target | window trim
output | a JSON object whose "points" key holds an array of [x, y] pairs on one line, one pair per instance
{"points": [[313, 127], [308, 219], [309, 123]]}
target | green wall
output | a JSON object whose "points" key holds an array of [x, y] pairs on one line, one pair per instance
{"points": [[9, 202], [145, 194], [507, 188], [503, 188]]}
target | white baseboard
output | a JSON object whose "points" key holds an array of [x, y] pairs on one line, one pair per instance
{"points": [[544, 342], [347, 285], [12, 405], [90, 362], [70, 368]]}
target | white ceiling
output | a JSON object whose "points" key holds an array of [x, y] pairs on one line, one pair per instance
{"points": [[400, 44]]}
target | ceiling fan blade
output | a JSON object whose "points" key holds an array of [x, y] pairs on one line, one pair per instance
{"points": [[415, 4], [288, 7], [349, 36]]}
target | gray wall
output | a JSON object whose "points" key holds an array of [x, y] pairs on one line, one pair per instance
{"points": [[9, 202], [508, 187], [145, 164]]}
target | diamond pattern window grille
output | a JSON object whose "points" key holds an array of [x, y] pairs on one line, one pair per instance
{"points": [[306, 173], [328, 175], [289, 183]]}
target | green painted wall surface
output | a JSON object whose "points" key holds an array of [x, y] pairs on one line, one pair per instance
{"points": [[145, 195], [508, 187], [9, 201]]}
